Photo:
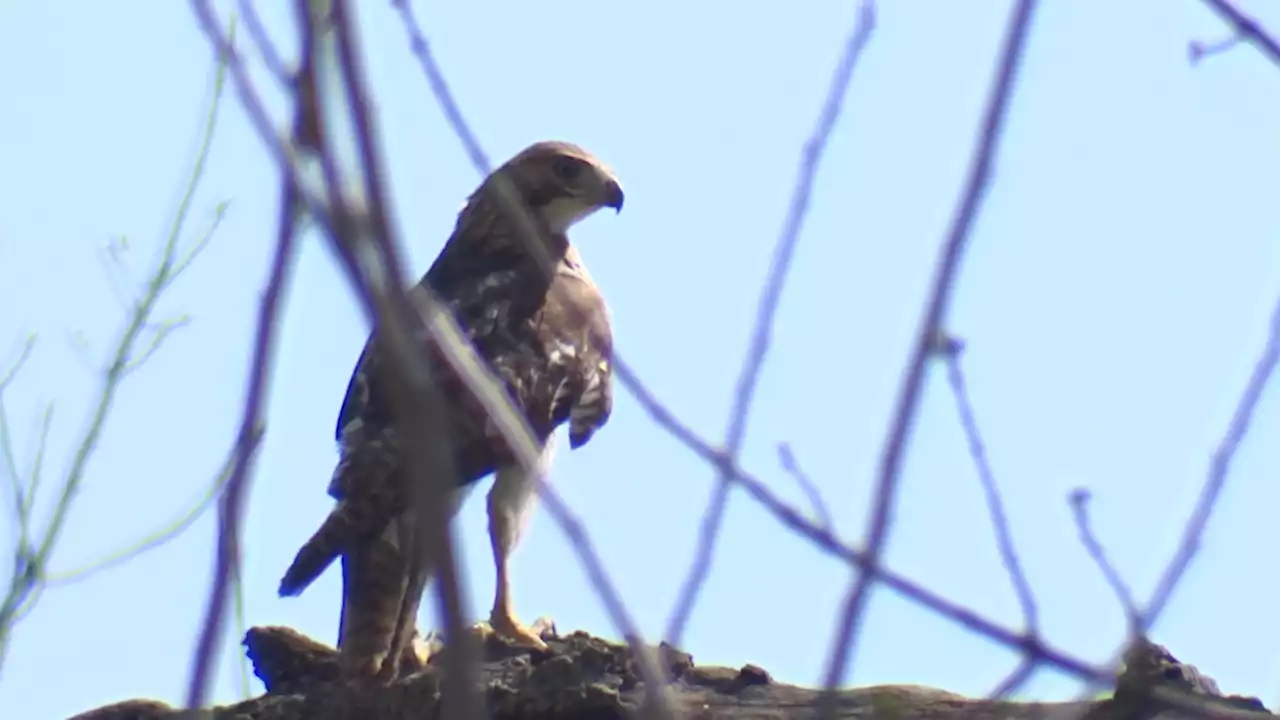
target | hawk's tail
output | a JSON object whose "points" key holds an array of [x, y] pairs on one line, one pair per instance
{"points": [[370, 494], [373, 584], [321, 549]]}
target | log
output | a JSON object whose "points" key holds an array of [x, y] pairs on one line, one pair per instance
{"points": [[587, 677]]}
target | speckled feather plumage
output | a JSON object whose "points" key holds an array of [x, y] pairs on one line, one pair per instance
{"points": [[549, 342]]}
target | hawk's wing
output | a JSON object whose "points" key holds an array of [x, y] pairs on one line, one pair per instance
{"points": [[585, 326]]}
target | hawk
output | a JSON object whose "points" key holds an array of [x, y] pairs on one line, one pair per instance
{"points": [[547, 339]]}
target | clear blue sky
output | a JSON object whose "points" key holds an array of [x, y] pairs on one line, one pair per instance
{"points": [[1115, 296]]}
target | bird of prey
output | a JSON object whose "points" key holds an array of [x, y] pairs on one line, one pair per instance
{"points": [[546, 337]]}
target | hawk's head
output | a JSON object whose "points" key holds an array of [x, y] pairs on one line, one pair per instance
{"points": [[561, 183]]}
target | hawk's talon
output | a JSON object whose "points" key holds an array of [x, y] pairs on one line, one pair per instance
{"points": [[418, 655], [515, 632]]}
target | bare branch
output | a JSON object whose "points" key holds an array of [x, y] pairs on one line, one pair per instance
{"points": [[158, 335], [951, 348], [827, 543], [995, 504], [154, 540], [1246, 29], [27, 496], [1079, 502], [792, 467], [770, 298], [34, 556], [440, 87], [1219, 466], [183, 262], [1198, 50], [28, 345], [21, 495], [943, 284], [261, 41]]}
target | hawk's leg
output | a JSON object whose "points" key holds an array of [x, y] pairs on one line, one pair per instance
{"points": [[403, 655], [511, 501]]}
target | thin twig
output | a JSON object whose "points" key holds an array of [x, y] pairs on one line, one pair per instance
{"points": [[440, 87], [1219, 466], [29, 571], [1198, 50], [23, 586], [1016, 679], [21, 496], [827, 543], [770, 298], [1079, 502], [951, 349], [261, 40], [158, 336], [237, 590], [792, 467], [154, 540], [912, 387], [1247, 28], [25, 552], [995, 504], [28, 345], [284, 152]]}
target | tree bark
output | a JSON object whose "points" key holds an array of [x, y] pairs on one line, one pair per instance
{"points": [[590, 678]]}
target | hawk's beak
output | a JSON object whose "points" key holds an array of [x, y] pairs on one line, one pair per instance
{"points": [[613, 196]]}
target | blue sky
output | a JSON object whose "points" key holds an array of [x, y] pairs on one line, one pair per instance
{"points": [[1115, 296]]}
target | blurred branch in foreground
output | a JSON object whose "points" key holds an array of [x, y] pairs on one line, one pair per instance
{"points": [[332, 134]]}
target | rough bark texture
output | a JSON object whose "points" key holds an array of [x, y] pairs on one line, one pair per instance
{"points": [[585, 677]]}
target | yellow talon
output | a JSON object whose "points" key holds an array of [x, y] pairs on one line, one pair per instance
{"points": [[512, 630]]}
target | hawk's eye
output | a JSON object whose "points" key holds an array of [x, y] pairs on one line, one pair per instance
{"points": [[567, 169]]}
